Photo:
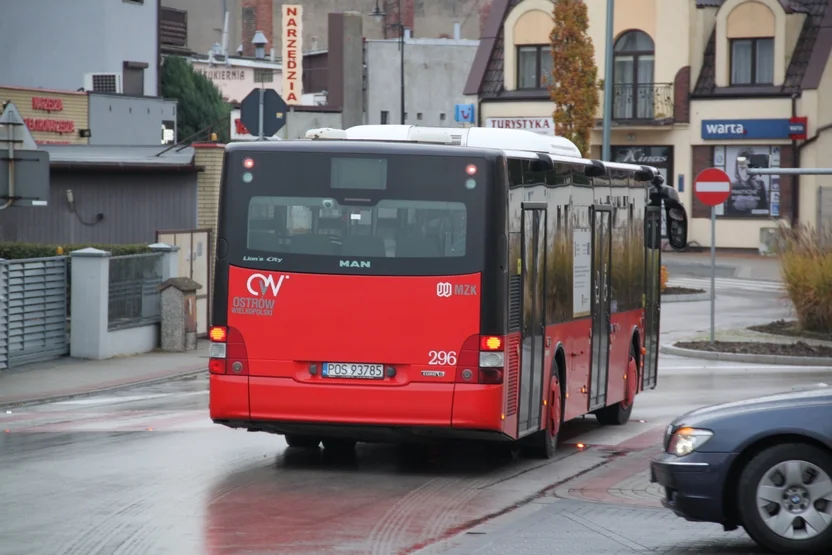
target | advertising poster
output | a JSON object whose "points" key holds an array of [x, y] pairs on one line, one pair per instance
{"points": [[751, 195], [582, 273]]}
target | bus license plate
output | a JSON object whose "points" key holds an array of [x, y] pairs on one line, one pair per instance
{"points": [[353, 370]]}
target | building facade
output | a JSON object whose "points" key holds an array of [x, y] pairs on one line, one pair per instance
{"points": [[696, 83], [120, 120], [103, 45], [53, 117], [240, 76], [425, 19], [435, 74]]}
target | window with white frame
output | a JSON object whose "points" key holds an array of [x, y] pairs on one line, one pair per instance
{"points": [[752, 61], [534, 66]]}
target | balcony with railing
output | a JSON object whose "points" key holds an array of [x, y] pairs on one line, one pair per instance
{"points": [[639, 104]]}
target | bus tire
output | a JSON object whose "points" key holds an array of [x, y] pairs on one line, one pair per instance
{"points": [[619, 413], [544, 443], [302, 442]]}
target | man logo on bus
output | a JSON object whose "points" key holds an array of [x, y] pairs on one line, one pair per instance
{"points": [[266, 284]]}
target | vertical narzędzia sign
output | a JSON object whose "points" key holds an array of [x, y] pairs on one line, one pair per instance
{"points": [[292, 55]]}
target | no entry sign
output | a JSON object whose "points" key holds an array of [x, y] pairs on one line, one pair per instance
{"points": [[712, 186]]}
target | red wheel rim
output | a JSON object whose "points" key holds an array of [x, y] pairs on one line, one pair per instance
{"points": [[632, 383], [554, 409]]}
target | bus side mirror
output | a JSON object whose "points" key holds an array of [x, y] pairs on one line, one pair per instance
{"points": [[677, 223]]}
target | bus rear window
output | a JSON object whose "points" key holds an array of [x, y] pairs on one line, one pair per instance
{"points": [[392, 228]]}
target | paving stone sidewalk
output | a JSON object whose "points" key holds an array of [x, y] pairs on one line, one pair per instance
{"points": [[68, 377], [575, 527]]}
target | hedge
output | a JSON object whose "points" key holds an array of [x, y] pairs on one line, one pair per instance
{"points": [[18, 251]]}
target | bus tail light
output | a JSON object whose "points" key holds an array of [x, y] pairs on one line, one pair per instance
{"points": [[227, 353], [481, 360]]}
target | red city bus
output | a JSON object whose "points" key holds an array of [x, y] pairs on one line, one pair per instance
{"points": [[383, 284]]}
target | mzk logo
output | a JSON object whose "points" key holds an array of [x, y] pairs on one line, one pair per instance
{"points": [[353, 264]]}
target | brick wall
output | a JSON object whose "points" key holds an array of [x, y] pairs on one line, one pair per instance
{"points": [[210, 157], [702, 156], [257, 16], [681, 96]]}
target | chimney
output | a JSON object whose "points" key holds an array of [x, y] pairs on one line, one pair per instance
{"points": [[257, 15], [484, 11], [457, 30], [392, 19]]}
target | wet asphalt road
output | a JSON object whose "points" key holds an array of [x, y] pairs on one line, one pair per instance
{"points": [[144, 471]]}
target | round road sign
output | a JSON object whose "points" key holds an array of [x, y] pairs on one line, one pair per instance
{"points": [[712, 186]]}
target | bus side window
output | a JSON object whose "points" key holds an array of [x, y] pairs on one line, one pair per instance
{"points": [[515, 172]]}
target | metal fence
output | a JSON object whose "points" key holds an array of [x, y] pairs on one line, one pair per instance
{"points": [[33, 310], [134, 299]]}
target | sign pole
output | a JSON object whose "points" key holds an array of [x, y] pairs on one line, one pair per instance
{"points": [[260, 134], [713, 271], [712, 187]]}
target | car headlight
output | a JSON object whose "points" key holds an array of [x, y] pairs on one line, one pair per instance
{"points": [[687, 440]]}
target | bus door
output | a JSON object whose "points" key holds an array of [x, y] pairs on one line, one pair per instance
{"points": [[533, 260], [601, 262], [652, 294]]}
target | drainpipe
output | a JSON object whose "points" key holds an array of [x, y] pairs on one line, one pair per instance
{"points": [[795, 164]]}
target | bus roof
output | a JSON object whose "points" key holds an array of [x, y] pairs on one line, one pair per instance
{"points": [[515, 143]]}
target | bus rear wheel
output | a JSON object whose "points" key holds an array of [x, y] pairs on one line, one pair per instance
{"points": [[544, 443], [619, 413], [302, 442]]}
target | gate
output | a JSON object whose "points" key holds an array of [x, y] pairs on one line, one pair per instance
{"points": [[195, 260], [33, 310]]}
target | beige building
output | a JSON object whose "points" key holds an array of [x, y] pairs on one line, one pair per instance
{"points": [[53, 117], [696, 84]]}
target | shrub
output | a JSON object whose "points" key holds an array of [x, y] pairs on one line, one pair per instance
{"points": [[18, 251], [806, 265], [665, 278]]}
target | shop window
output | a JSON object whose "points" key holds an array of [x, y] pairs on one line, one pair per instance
{"points": [[534, 67], [752, 61]]}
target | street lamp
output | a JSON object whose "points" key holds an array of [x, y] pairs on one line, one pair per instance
{"points": [[259, 41], [379, 13]]}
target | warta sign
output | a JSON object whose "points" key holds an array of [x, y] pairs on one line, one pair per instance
{"points": [[292, 42]]}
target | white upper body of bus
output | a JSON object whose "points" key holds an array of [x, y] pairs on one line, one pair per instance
{"points": [[515, 143]]}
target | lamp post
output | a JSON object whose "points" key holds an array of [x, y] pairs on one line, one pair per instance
{"points": [[608, 84], [259, 41], [379, 13]]}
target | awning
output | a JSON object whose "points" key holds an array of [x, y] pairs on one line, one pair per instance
{"points": [[121, 158]]}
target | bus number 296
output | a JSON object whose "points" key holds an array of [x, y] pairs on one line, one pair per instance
{"points": [[442, 358]]}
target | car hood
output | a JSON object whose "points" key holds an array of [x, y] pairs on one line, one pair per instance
{"points": [[812, 396]]}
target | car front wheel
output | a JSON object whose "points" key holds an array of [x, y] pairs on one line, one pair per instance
{"points": [[785, 499]]}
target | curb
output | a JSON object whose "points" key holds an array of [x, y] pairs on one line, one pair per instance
{"points": [[738, 357], [56, 398], [691, 297]]}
